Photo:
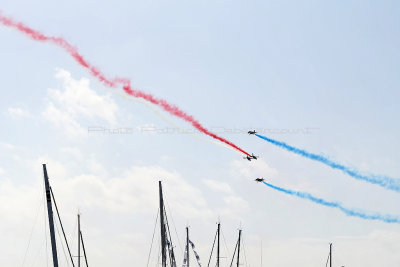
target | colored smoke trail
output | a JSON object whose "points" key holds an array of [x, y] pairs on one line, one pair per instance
{"points": [[174, 126], [383, 181], [349, 212], [113, 82]]}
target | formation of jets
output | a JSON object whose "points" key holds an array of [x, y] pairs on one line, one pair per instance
{"points": [[250, 157]]}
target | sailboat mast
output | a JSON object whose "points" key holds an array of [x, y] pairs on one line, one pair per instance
{"points": [[187, 246], [330, 254], [50, 215], [163, 237], [79, 240], [219, 231], [240, 234]]}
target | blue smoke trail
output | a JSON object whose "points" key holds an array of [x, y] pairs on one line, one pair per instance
{"points": [[384, 181], [350, 212]]}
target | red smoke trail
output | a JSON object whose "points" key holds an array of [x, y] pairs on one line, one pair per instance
{"points": [[114, 82]]}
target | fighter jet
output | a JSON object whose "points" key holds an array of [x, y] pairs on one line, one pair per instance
{"points": [[252, 132], [249, 158], [259, 180], [253, 157]]}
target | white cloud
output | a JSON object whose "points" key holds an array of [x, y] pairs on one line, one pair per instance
{"points": [[218, 186], [78, 101], [235, 206], [63, 120], [73, 151], [1, 171], [235, 201], [19, 113], [96, 167]]}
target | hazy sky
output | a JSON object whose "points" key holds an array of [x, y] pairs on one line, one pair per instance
{"points": [[320, 75]]}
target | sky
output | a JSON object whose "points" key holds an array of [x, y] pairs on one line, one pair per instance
{"points": [[318, 75]]}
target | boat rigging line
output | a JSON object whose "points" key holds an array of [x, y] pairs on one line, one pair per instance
{"points": [[62, 245], [173, 222], [169, 243], [84, 250], [152, 239], [238, 249], [62, 228], [329, 256], [212, 249], [226, 246], [40, 200]]}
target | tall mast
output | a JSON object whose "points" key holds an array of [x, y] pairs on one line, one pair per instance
{"points": [[163, 237], [79, 240], [219, 231], [50, 215], [187, 246], [330, 255], [240, 234]]}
